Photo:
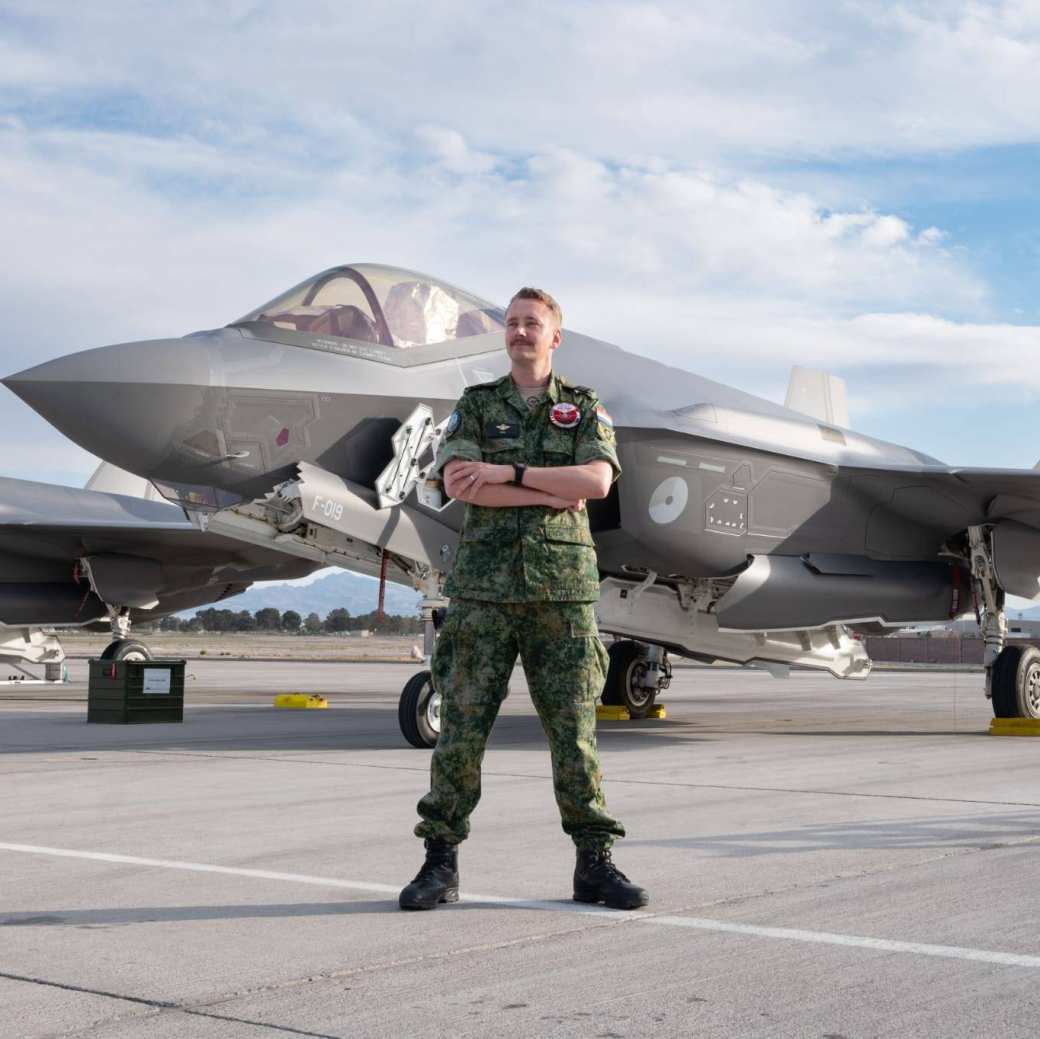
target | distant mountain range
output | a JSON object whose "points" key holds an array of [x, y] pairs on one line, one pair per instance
{"points": [[354, 592]]}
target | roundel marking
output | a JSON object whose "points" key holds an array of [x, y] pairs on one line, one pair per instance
{"points": [[669, 500]]}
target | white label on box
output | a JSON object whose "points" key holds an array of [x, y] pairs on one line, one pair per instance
{"points": [[156, 681]]}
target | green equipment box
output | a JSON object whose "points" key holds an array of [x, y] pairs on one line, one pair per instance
{"points": [[128, 692]]}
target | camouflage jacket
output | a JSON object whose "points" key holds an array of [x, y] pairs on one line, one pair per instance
{"points": [[530, 553]]}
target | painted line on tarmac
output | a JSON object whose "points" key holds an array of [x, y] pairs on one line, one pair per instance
{"points": [[950, 952], [199, 867]]}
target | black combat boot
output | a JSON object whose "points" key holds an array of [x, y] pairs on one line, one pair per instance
{"points": [[597, 879], [438, 879]]}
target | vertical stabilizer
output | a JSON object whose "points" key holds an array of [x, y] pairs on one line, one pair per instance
{"points": [[819, 395]]}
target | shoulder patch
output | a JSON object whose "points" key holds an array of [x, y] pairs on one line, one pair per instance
{"points": [[586, 391]]}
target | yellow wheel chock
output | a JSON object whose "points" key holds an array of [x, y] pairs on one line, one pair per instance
{"points": [[300, 702]]}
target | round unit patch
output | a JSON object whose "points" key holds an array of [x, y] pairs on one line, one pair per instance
{"points": [[669, 500], [566, 416], [454, 421]]}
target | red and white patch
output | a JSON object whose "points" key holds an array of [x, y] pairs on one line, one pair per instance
{"points": [[566, 416]]}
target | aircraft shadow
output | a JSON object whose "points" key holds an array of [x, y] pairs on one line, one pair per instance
{"points": [[361, 728], [981, 832]]}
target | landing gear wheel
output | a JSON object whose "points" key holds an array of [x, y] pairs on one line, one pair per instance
{"points": [[623, 688], [419, 711], [126, 649], [1016, 683]]}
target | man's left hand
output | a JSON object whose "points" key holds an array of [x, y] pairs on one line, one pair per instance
{"points": [[469, 477]]}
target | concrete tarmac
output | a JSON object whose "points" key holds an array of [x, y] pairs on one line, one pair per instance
{"points": [[825, 859]]}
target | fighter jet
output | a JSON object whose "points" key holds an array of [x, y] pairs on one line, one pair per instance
{"points": [[72, 558], [741, 530]]}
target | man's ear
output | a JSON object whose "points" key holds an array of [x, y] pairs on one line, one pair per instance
{"points": [[556, 339]]}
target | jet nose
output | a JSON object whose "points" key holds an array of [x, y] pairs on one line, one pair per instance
{"points": [[123, 403]]}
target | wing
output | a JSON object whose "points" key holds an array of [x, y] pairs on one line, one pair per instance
{"points": [[60, 545], [951, 500]]}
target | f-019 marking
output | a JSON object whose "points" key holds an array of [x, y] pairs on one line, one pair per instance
{"points": [[327, 507]]}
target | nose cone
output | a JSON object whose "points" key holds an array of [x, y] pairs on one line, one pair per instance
{"points": [[124, 403]]}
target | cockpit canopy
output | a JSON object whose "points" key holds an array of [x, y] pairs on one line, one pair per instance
{"points": [[370, 303]]}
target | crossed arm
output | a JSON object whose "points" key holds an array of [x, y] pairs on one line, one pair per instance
{"points": [[558, 487]]}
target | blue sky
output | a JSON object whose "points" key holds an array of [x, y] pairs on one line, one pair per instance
{"points": [[734, 189]]}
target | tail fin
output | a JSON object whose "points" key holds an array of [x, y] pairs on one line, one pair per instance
{"points": [[819, 395]]}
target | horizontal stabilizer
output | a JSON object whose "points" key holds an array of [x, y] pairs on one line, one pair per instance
{"points": [[819, 395], [110, 479]]}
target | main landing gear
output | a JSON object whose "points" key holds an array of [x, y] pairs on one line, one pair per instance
{"points": [[1012, 672], [1015, 683], [637, 672]]}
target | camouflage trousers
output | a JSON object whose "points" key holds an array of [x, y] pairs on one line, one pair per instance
{"points": [[565, 664]]}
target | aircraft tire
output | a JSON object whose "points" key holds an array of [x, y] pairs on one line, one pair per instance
{"points": [[620, 689], [1016, 683], [126, 649], [418, 711]]}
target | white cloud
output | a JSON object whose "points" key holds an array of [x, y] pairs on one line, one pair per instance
{"points": [[679, 79], [449, 148], [120, 255]]}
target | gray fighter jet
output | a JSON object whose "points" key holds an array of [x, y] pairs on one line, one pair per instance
{"points": [[740, 530], [72, 558]]}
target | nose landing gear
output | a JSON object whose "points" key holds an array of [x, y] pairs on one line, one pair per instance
{"points": [[126, 649], [419, 711], [122, 647]]}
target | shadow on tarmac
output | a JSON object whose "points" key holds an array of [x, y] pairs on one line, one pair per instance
{"points": [[979, 832], [117, 917], [260, 729], [167, 914]]}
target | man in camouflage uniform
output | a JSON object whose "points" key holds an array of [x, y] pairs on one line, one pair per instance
{"points": [[524, 452]]}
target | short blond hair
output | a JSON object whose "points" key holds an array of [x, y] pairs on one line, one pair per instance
{"points": [[542, 297]]}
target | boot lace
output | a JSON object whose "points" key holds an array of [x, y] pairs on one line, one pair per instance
{"points": [[607, 866]]}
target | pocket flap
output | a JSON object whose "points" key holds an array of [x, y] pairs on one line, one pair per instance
{"points": [[568, 533]]}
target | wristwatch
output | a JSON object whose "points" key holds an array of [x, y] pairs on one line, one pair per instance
{"points": [[518, 473]]}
